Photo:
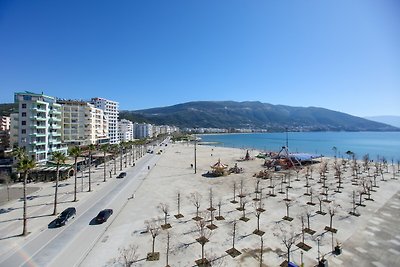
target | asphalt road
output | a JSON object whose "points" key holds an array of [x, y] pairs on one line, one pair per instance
{"points": [[69, 245]]}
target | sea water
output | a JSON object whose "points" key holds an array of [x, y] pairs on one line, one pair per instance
{"points": [[376, 144]]}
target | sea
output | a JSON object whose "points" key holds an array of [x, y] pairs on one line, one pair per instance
{"points": [[377, 144]]}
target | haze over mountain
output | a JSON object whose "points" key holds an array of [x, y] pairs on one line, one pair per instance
{"points": [[254, 114], [390, 120]]}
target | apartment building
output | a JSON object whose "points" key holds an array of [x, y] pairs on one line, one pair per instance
{"points": [[143, 130], [110, 109], [82, 123], [125, 130], [38, 125], [4, 133]]}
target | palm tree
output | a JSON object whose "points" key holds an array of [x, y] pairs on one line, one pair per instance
{"points": [[25, 164], [90, 148], [59, 158], [75, 152], [121, 148], [105, 149]]}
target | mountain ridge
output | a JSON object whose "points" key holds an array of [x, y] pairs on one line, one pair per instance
{"points": [[254, 114]]}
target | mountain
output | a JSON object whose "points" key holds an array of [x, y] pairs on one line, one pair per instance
{"points": [[230, 114], [390, 120], [7, 108]]}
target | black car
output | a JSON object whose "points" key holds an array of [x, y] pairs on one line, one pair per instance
{"points": [[121, 175], [104, 215], [65, 216]]}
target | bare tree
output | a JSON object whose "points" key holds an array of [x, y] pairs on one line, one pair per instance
{"points": [[168, 239], [204, 235], [308, 214], [219, 217], [302, 244], [258, 213], [332, 210], [234, 201], [211, 197], [164, 207], [354, 206], [243, 209], [320, 211], [154, 229], [178, 198], [195, 199], [128, 255], [288, 237], [288, 204], [233, 252]]}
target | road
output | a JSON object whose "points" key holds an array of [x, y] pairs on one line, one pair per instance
{"points": [[69, 245]]}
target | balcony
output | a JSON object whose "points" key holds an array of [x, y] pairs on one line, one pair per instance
{"points": [[42, 126], [38, 134], [40, 109], [55, 111], [38, 118], [39, 143], [55, 119], [55, 126]]}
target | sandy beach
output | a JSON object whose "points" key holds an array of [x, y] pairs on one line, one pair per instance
{"points": [[363, 239]]}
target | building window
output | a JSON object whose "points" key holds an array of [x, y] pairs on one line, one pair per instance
{"points": [[23, 122], [23, 131], [23, 105], [23, 114]]}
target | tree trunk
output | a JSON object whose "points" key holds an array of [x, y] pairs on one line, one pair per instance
{"points": [[76, 179], [154, 241], [330, 223], [90, 180], [104, 162], [56, 191], [24, 229], [288, 255]]}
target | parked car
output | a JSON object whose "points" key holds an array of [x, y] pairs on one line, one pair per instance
{"points": [[121, 175], [104, 215], [65, 216]]}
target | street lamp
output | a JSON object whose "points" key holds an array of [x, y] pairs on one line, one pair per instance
{"points": [[195, 154]]}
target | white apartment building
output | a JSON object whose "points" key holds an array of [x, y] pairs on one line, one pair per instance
{"points": [[143, 130], [5, 123], [83, 124], [110, 109], [125, 130], [4, 133], [38, 124]]}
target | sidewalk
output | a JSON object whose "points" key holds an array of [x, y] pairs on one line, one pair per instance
{"points": [[40, 204]]}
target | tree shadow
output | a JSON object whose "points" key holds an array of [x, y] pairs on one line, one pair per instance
{"points": [[9, 237]]}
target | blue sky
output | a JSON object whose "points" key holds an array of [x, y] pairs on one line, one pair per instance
{"points": [[342, 55]]}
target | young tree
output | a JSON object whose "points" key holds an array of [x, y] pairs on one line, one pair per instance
{"points": [[164, 207], [332, 210], [75, 152], [233, 252], [308, 214], [195, 199], [128, 255], [204, 235], [257, 212], [234, 193], [178, 198], [25, 165], [219, 217], [168, 239], [154, 229], [288, 204], [243, 209], [288, 237], [354, 211], [59, 158], [302, 244], [320, 211]]}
